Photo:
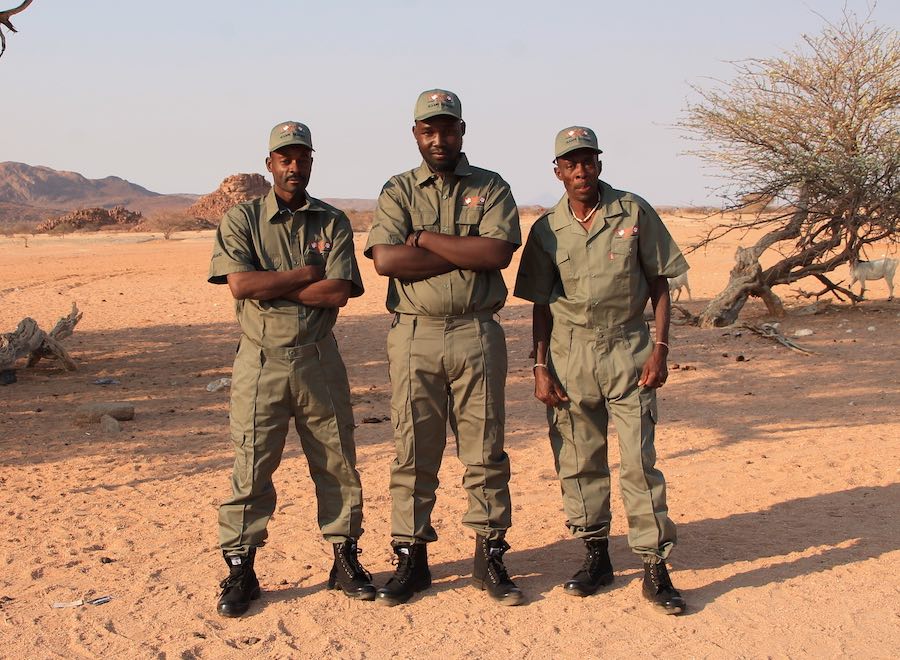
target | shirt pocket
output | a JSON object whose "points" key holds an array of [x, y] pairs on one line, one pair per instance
{"points": [[566, 266], [426, 220], [467, 224], [623, 246]]}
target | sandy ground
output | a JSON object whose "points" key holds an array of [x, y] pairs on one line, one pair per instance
{"points": [[782, 472]]}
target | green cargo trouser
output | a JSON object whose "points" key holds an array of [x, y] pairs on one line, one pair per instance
{"points": [[448, 368], [269, 386], [599, 370]]}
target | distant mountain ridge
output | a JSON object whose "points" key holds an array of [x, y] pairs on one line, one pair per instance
{"points": [[29, 192]]}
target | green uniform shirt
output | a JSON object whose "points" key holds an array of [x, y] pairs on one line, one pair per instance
{"points": [[259, 235], [469, 202], [598, 278]]}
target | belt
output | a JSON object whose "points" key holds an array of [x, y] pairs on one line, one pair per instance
{"points": [[419, 319], [600, 334], [290, 352]]}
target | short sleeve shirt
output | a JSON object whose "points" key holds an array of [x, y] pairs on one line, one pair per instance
{"points": [[598, 278], [261, 235], [469, 202]]}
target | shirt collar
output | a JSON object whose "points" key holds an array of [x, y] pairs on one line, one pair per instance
{"points": [[273, 208], [610, 207], [424, 173]]}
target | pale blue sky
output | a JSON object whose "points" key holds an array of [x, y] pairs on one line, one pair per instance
{"points": [[176, 95]]}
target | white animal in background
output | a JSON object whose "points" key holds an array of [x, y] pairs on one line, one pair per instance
{"points": [[676, 283], [879, 269]]}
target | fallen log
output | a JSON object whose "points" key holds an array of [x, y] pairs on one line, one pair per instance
{"points": [[29, 340]]}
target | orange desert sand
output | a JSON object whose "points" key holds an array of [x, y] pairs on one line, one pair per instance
{"points": [[782, 471]]}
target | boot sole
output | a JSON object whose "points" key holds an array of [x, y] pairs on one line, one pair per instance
{"points": [[355, 595], [393, 601], [510, 600], [676, 609], [580, 592], [235, 614]]}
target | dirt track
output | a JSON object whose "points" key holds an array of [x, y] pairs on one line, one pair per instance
{"points": [[782, 469]]}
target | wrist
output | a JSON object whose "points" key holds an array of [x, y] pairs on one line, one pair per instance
{"points": [[539, 365], [417, 237], [662, 344]]}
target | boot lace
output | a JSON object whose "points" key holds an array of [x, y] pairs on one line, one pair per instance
{"points": [[495, 561], [660, 577], [233, 581], [403, 562], [350, 562]]}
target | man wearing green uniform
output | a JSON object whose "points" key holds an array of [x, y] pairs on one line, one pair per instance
{"points": [[442, 233], [289, 263], [589, 266]]}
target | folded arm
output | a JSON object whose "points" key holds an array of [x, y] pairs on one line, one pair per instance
{"points": [[266, 285], [467, 252], [324, 293], [408, 263]]}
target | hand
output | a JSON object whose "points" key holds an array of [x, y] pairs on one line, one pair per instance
{"points": [[411, 239], [548, 389], [655, 371]]}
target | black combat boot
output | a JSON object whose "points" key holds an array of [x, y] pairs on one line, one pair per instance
{"points": [[240, 587], [490, 573], [658, 588], [348, 575], [596, 572], [412, 574]]}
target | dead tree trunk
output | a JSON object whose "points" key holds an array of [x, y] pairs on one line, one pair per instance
{"points": [[747, 279], [28, 339]]}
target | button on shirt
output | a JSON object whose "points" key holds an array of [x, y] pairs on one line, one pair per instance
{"points": [[597, 278], [263, 235], [468, 202]]}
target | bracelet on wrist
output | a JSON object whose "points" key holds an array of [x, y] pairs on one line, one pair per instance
{"points": [[662, 343], [418, 236], [538, 364]]}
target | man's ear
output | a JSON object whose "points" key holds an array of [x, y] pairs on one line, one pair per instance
{"points": [[269, 163], [462, 127], [556, 172]]}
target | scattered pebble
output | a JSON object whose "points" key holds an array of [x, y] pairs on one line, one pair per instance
{"points": [[218, 384], [106, 381], [871, 328], [110, 424], [803, 332], [740, 358]]}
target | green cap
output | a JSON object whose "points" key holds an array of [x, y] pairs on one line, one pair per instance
{"points": [[575, 137], [436, 102], [289, 132]]}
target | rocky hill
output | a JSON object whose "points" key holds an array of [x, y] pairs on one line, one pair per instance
{"points": [[29, 194], [92, 219], [233, 190]]}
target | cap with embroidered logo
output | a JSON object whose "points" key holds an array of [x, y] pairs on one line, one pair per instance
{"points": [[575, 137], [436, 102], [289, 132]]}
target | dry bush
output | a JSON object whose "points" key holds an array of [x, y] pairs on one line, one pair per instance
{"points": [[168, 222], [818, 130]]}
